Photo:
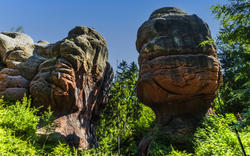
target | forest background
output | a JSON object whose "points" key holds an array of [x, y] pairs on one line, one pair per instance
{"points": [[125, 120]]}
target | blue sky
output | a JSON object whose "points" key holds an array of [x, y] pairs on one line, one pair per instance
{"points": [[117, 20]]}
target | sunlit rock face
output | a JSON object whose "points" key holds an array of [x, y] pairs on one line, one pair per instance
{"points": [[178, 78], [75, 84], [72, 76], [20, 58]]}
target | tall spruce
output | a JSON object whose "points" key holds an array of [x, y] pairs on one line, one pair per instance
{"points": [[124, 120]]}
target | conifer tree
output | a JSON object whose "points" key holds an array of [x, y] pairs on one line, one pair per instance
{"points": [[124, 120]]}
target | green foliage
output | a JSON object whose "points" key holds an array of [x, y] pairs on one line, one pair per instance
{"points": [[161, 143], [12, 145], [18, 118], [124, 115], [18, 29], [163, 140], [244, 121], [179, 153], [62, 150], [47, 120], [216, 137], [234, 54], [234, 16], [124, 120], [218, 103], [204, 43], [18, 127]]}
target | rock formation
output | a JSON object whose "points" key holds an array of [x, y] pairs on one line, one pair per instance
{"points": [[20, 59], [178, 78], [71, 76]]}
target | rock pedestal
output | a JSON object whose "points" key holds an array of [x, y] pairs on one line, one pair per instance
{"points": [[178, 78], [72, 76]]}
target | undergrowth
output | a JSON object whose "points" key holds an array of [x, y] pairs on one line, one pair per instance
{"points": [[18, 127], [215, 137]]}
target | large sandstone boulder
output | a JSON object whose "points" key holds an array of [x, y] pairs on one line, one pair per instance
{"points": [[178, 78], [20, 58], [75, 84], [72, 76]]}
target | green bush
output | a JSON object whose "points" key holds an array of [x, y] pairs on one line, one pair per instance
{"points": [[215, 137], [179, 153], [19, 118], [218, 138], [62, 150], [18, 127], [162, 143], [11, 145]]}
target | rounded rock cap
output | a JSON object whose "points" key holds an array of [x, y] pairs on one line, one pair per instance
{"points": [[83, 30], [166, 11]]}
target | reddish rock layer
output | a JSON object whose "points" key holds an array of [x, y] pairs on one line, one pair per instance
{"points": [[178, 78], [13, 84]]}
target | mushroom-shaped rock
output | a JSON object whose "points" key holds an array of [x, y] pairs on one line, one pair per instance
{"points": [[178, 78]]}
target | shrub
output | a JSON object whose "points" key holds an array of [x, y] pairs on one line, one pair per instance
{"points": [[11, 145], [217, 138], [18, 127], [62, 150], [19, 118]]}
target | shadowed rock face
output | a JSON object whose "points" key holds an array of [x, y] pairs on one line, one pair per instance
{"points": [[178, 78], [71, 76]]}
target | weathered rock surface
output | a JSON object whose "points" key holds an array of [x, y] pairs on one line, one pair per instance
{"points": [[71, 76], [18, 51], [178, 78], [75, 84], [20, 58], [13, 84]]}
